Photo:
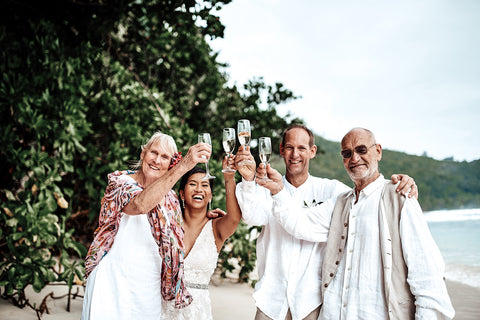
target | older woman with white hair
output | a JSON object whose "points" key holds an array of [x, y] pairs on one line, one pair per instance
{"points": [[136, 257]]}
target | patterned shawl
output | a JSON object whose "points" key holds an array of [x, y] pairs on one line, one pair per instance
{"points": [[166, 226]]}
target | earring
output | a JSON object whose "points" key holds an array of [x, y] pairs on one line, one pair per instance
{"points": [[183, 203]]}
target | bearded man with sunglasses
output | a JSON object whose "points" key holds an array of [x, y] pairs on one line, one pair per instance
{"points": [[289, 268], [380, 261]]}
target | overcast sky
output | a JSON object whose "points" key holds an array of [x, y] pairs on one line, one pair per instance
{"points": [[408, 70]]}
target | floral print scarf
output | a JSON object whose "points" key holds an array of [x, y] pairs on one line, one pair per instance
{"points": [[166, 226]]}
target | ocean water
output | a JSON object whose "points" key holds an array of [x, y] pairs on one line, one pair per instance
{"points": [[457, 233]]}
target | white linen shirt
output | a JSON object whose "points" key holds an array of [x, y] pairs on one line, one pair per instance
{"points": [[289, 269], [357, 290]]}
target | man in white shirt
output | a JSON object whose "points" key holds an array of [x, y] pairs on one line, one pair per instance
{"points": [[380, 261], [289, 268]]}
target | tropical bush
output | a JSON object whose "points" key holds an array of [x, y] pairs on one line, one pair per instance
{"points": [[82, 87]]}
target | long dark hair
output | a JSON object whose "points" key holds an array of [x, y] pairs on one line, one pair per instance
{"points": [[184, 179]]}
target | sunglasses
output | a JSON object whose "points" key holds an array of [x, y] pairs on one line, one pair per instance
{"points": [[360, 150]]}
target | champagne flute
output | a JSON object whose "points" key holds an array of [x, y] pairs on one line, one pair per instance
{"points": [[205, 137], [244, 135], [244, 132], [265, 151], [228, 145]]}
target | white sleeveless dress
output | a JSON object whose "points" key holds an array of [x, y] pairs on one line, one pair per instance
{"points": [[199, 267], [125, 285]]}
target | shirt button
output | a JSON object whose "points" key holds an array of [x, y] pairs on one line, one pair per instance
{"points": [[340, 250], [337, 262], [331, 274], [343, 237], [345, 224], [325, 285]]}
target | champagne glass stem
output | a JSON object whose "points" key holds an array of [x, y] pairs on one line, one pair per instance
{"points": [[206, 168]]}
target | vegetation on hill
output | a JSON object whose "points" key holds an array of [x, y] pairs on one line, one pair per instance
{"points": [[83, 84]]}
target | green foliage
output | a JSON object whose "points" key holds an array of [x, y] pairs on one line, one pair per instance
{"points": [[81, 90], [43, 124]]}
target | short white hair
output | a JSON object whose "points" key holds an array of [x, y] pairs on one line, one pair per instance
{"points": [[166, 142]]}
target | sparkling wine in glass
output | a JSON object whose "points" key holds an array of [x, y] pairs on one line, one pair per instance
{"points": [[228, 144], [205, 137], [244, 135], [265, 151], [244, 132]]}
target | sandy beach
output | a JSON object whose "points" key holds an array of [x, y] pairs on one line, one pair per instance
{"points": [[230, 301]]}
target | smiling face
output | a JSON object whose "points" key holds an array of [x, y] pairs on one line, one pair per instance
{"points": [[297, 152], [196, 193], [362, 169], [155, 162]]}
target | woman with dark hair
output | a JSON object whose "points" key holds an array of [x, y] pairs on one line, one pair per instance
{"points": [[203, 238]]}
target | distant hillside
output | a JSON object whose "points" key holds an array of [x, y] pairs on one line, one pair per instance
{"points": [[443, 184]]}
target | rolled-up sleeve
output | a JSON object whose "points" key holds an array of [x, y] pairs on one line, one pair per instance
{"points": [[255, 203], [426, 267]]}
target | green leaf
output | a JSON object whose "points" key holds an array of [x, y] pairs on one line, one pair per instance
{"points": [[17, 235], [49, 239], [20, 283], [80, 272], [70, 279], [9, 195], [38, 282], [51, 276], [50, 218], [11, 273], [12, 223], [76, 246]]}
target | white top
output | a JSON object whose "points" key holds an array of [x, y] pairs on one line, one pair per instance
{"points": [[289, 269], [357, 290], [200, 264], [127, 280]]}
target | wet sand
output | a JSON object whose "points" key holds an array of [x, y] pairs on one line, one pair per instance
{"points": [[465, 300]]}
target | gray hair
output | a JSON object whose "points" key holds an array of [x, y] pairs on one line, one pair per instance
{"points": [[165, 141]]}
